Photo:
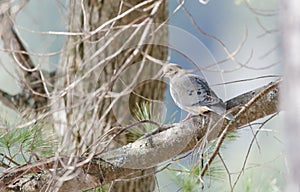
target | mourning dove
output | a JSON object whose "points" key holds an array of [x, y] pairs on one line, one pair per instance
{"points": [[192, 93]]}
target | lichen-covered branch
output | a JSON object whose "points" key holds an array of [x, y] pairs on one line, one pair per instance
{"points": [[174, 140]]}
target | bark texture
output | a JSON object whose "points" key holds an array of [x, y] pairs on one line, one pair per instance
{"points": [[102, 77], [109, 57]]}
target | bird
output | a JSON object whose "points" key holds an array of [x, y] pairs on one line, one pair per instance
{"points": [[192, 93]]}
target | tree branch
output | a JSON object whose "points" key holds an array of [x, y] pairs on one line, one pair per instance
{"points": [[184, 136], [33, 85], [162, 146]]}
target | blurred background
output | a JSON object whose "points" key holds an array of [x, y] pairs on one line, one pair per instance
{"points": [[200, 35], [249, 30]]}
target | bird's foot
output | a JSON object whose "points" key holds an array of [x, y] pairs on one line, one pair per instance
{"points": [[187, 118]]}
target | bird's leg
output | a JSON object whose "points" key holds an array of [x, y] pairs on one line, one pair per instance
{"points": [[187, 118], [203, 120], [190, 116]]}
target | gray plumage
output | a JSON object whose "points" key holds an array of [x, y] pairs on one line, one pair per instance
{"points": [[192, 93]]}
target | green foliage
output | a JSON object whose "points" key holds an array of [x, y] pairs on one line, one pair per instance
{"points": [[188, 177], [150, 111], [145, 111], [18, 146], [185, 178], [266, 186]]}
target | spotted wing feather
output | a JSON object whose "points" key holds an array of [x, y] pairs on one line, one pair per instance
{"points": [[191, 91], [205, 95]]}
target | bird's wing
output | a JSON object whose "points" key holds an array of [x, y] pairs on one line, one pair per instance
{"points": [[206, 96], [192, 91]]}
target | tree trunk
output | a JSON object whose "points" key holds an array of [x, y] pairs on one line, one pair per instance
{"points": [[96, 64]]}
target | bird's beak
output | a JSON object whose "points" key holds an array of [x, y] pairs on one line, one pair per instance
{"points": [[162, 75]]}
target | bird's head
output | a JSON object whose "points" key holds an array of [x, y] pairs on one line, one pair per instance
{"points": [[172, 70]]}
